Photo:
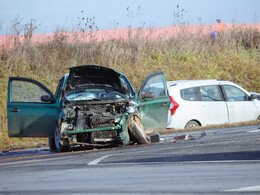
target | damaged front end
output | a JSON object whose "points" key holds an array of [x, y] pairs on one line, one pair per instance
{"points": [[97, 107], [96, 124]]}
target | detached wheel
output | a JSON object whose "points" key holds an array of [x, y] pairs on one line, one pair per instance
{"points": [[57, 144], [138, 133], [192, 124]]}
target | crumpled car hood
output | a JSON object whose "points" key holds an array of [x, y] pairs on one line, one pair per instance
{"points": [[93, 76]]}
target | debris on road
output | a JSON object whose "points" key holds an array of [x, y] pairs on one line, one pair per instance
{"points": [[155, 137], [180, 137], [187, 136], [202, 134]]}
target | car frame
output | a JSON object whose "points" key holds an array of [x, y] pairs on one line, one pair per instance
{"points": [[74, 116]]}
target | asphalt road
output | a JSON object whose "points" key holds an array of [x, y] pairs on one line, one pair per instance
{"points": [[219, 161]]}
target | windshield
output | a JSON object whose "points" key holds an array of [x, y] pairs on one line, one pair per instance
{"points": [[94, 94]]}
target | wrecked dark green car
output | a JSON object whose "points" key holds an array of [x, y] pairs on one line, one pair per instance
{"points": [[93, 105]]}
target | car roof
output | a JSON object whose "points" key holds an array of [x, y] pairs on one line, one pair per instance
{"points": [[196, 83], [191, 83]]}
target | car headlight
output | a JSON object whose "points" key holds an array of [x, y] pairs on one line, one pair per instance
{"points": [[131, 107]]}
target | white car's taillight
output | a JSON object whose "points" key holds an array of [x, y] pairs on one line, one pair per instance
{"points": [[174, 105]]}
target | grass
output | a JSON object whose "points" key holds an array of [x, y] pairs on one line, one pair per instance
{"points": [[235, 56]]}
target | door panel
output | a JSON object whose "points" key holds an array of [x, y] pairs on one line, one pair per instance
{"points": [[28, 115], [154, 109], [213, 106], [214, 113], [240, 107], [241, 111]]}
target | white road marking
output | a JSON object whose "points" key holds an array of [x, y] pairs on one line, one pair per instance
{"points": [[96, 161], [254, 131], [246, 189]]}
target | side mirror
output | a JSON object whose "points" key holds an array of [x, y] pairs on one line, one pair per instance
{"points": [[254, 96], [147, 95], [47, 99]]}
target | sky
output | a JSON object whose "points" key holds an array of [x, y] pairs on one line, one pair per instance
{"points": [[54, 15]]}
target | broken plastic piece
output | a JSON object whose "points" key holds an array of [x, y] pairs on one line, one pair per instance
{"points": [[155, 137]]}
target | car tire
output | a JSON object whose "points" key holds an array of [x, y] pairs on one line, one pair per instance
{"points": [[138, 133], [57, 144], [52, 144], [192, 124]]}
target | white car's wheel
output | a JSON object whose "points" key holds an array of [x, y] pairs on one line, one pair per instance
{"points": [[192, 124]]}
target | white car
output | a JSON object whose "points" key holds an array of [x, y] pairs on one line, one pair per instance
{"points": [[210, 102]]}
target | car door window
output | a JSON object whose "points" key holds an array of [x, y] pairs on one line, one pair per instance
{"points": [[210, 93], [156, 85], [235, 94], [191, 94], [23, 91]]}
